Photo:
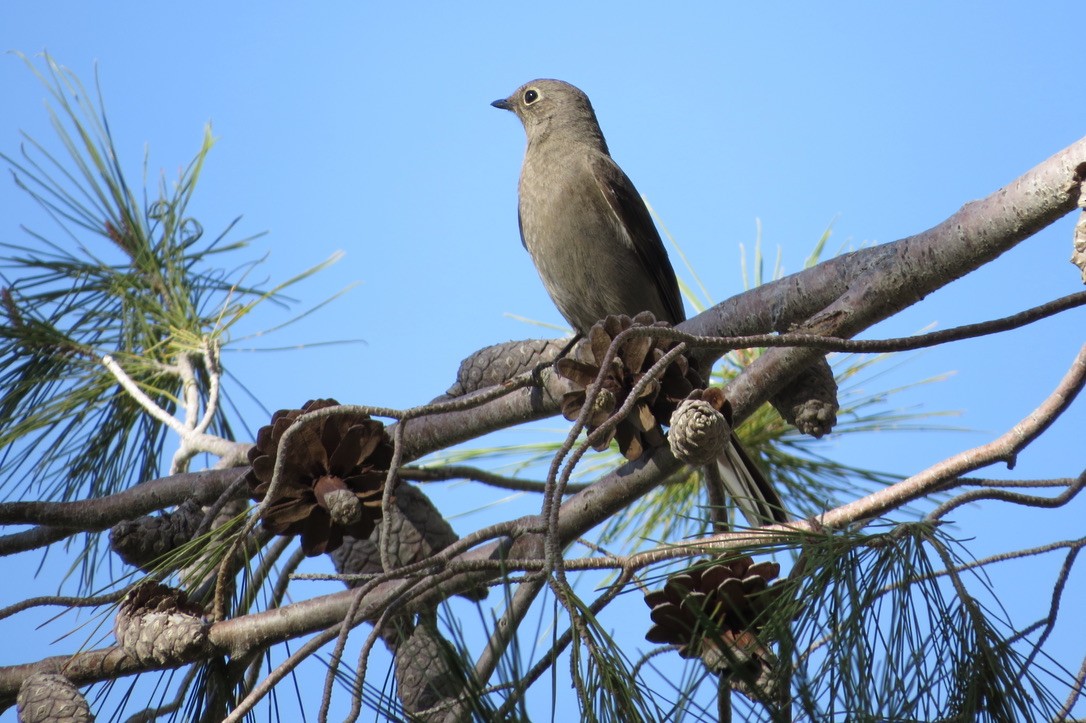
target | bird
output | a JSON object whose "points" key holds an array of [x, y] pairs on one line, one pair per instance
{"points": [[595, 246]]}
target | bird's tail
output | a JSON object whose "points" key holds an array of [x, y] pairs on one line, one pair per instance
{"points": [[747, 486]]}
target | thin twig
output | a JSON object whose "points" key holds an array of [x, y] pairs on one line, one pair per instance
{"points": [[865, 346], [213, 368], [893, 344], [65, 601], [190, 392], [1074, 695], [341, 644], [936, 476], [560, 645], [506, 628], [1053, 609], [264, 687], [364, 653], [1028, 483], [385, 536], [449, 472], [142, 399], [1005, 496], [553, 545], [998, 558]]}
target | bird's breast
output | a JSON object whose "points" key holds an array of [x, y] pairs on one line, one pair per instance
{"points": [[579, 246]]}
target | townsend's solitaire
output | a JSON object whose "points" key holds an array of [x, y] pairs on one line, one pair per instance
{"points": [[595, 245]]}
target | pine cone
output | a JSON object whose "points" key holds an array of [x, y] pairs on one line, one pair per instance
{"points": [[142, 541], [700, 427], [51, 698], [641, 429], [499, 363], [426, 665], [712, 611], [332, 479], [157, 624]]}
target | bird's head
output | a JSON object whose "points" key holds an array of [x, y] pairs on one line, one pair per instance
{"points": [[548, 106]]}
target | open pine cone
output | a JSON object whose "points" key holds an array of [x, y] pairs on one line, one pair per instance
{"points": [[642, 428], [713, 612], [333, 476]]}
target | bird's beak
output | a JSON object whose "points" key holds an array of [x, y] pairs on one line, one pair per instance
{"points": [[503, 103]]}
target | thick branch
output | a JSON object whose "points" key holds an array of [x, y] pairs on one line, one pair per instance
{"points": [[100, 513], [91, 666], [848, 294], [58, 520], [433, 432]]}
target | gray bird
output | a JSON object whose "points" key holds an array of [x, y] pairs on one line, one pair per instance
{"points": [[595, 245]]}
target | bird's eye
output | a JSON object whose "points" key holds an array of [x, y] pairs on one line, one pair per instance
{"points": [[530, 96]]}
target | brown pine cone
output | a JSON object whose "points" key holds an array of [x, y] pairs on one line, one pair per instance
{"points": [[427, 670], [642, 428], [51, 698], [712, 611], [159, 625], [701, 427], [333, 476]]}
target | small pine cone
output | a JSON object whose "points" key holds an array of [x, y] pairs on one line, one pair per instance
{"points": [[700, 427], [332, 459], [157, 624], [720, 603], [142, 541], [418, 531], [809, 402], [51, 698], [426, 666], [343, 506], [641, 429]]}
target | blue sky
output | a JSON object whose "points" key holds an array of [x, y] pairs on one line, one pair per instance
{"points": [[367, 128]]}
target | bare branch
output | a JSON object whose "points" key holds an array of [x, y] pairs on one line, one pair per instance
{"points": [[99, 513], [1003, 448], [450, 472]]}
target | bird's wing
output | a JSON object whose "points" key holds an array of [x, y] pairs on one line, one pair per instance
{"points": [[520, 228], [633, 216]]}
